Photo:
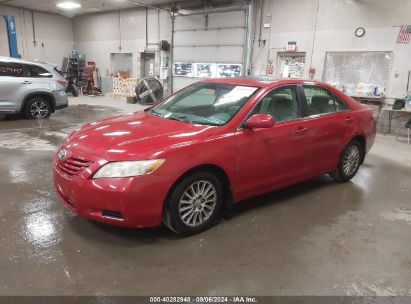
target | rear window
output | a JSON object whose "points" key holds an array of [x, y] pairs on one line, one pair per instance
{"points": [[36, 71], [58, 71], [11, 69]]}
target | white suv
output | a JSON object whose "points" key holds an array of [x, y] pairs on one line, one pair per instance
{"points": [[32, 88]]}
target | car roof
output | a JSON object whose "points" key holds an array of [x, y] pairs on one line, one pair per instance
{"points": [[245, 81], [24, 61], [263, 81]]}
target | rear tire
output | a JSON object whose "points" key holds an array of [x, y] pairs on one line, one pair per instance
{"points": [[195, 204], [74, 90], [37, 108], [349, 162]]}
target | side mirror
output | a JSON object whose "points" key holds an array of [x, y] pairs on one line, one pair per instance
{"points": [[260, 121]]}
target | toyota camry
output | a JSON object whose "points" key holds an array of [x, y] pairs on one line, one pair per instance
{"points": [[186, 159]]}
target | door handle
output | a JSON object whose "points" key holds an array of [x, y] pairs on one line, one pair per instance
{"points": [[301, 130], [26, 82], [349, 119]]}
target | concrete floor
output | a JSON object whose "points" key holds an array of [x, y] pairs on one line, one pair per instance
{"points": [[315, 238]]}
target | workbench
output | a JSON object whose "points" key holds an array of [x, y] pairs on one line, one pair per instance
{"points": [[394, 114], [373, 100]]}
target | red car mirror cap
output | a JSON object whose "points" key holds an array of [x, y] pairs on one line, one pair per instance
{"points": [[260, 121]]}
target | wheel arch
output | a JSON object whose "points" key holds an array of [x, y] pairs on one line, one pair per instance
{"points": [[48, 96], [218, 171], [361, 139]]}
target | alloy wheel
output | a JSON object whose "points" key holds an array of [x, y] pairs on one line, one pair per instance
{"points": [[39, 109], [351, 160], [197, 203]]}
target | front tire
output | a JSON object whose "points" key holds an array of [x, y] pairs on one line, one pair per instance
{"points": [[195, 204], [37, 108], [349, 162]]}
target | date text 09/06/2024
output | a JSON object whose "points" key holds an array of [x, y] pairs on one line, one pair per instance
{"points": [[205, 299]]}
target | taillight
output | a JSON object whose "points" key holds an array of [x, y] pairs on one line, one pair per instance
{"points": [[64, 82]]}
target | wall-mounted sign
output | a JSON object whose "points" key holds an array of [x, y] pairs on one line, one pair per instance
{"points": [[291, 46]]}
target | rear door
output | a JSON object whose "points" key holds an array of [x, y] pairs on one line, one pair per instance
{"points": [[12, 86], [39, 78], [273, 157], [329, 124]]}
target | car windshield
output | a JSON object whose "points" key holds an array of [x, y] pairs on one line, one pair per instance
{"points": [[205, 103]]}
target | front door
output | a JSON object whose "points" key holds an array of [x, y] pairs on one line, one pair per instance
{"points": [[274, 157]]}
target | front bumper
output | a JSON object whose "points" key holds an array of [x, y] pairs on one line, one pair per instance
{"points": [[128, 202]]}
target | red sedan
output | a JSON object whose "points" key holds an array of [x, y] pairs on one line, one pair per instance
{"points": [[212, 144]]}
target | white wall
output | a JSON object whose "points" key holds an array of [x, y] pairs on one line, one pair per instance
{"points": [[294, 20], [98, 35], [54, 31]]}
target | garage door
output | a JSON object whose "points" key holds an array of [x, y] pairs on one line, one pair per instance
{"points": [[208, 44]]}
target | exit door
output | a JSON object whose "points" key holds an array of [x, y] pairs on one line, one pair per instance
{"points": [[147, 64]]}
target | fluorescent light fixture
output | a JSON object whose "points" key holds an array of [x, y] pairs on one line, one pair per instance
{"points": [[68, 5]]}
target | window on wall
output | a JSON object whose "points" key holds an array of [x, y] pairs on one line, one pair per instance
{"points": [[321, 101], [11, 69], [358, 73]]}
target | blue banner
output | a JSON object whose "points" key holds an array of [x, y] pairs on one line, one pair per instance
{"points": [[11, 33]]}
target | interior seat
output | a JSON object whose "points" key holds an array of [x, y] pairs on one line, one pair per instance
{"points": [[282, 108], [321, 104]]}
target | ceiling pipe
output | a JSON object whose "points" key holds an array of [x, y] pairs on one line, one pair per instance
{"points": [[181, 12], [148, 6], [34, 29], [247, 40], [119, 30], [146, 27], [173, 19]]}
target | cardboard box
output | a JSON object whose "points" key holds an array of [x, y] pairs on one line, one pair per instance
{"points": [[124, 74], [131, 99]]}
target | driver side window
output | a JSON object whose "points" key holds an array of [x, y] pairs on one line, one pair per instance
{"points": [[281, 103]]}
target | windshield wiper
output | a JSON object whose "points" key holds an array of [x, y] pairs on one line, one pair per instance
{"points": [[174, 118], [193, 121], [154, 112], [206, 123]]}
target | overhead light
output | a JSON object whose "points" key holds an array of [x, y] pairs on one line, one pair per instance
{"points": [[69, 5]]}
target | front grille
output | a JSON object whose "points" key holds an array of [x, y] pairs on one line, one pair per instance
{"points": [[73, 165]]}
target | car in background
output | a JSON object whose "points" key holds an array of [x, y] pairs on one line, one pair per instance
{"points": [[32, 88], [184, 160]]}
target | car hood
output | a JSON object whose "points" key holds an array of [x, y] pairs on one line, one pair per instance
{"points": [[138, 135]]}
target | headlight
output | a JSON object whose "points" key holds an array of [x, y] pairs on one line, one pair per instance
{"points": [[129, 168]]}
